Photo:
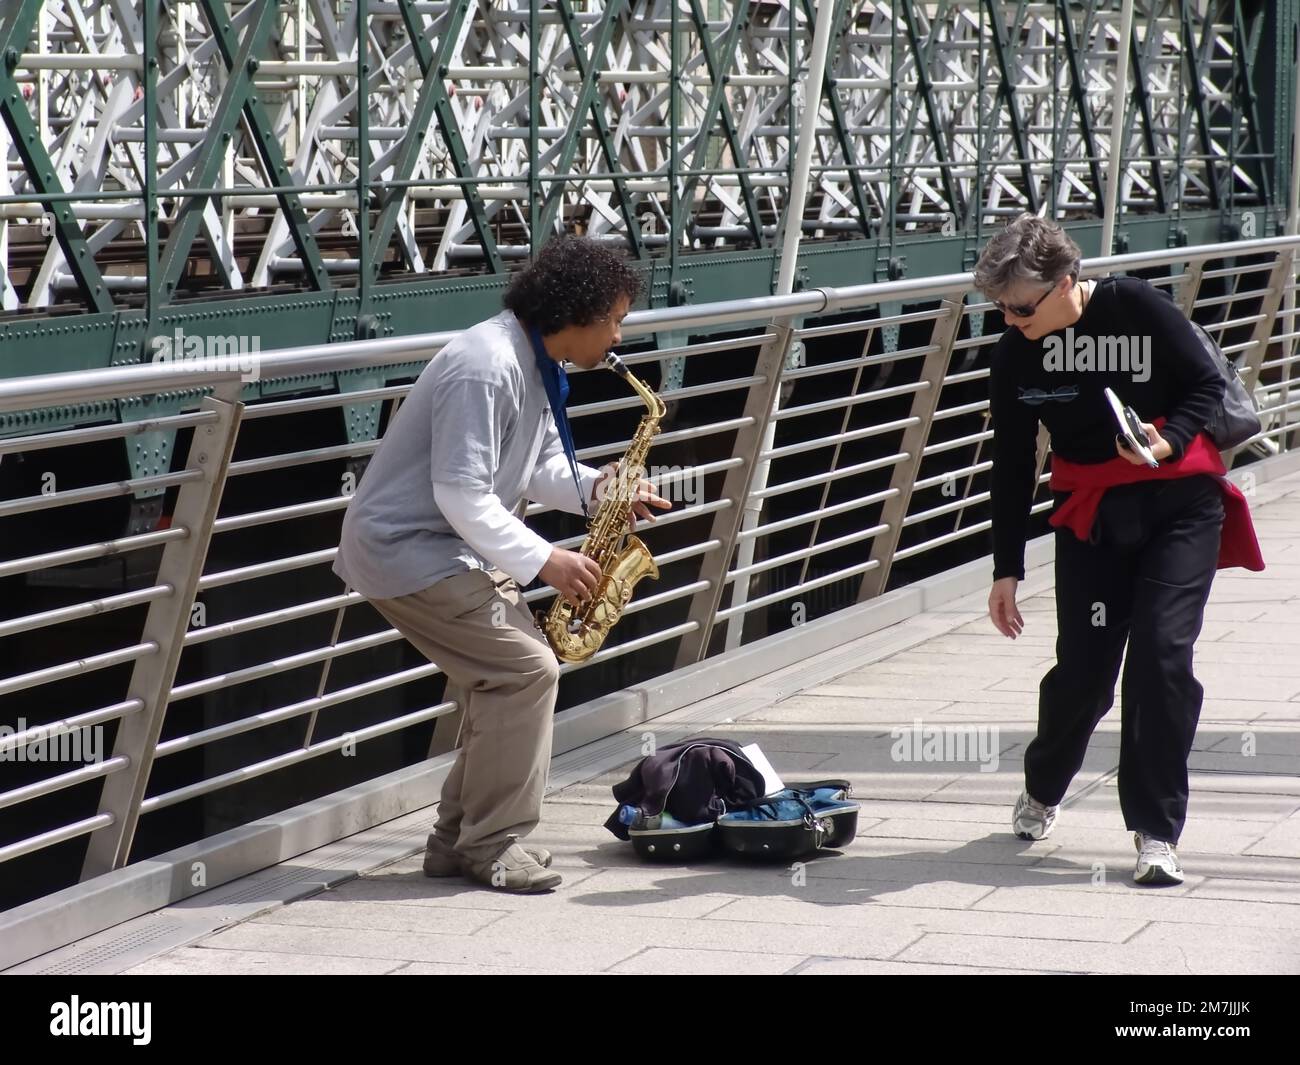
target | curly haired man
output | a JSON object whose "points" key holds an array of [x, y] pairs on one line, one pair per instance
{"points": [[432, 541]]}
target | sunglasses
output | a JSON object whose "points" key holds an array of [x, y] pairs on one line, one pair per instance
{"points": [[1036, 396], [1022, 310]]}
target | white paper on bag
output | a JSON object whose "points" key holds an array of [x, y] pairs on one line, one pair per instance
{"points": [[771, 778]]}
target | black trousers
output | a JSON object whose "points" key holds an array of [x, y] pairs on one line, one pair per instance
{"points": [[1144, 582]]}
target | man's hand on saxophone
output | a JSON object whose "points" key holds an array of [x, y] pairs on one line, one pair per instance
{"points": [[573, 575], [646, 495]]}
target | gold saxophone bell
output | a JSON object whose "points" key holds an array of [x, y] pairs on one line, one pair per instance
{"points": [[576, 634]]}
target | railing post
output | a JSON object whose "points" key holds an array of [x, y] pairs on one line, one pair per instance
{"points": [[1189, 286], [1289, 348], [1278, 278], [924, 403], [166, 624], [447, 728], [736, 487]]}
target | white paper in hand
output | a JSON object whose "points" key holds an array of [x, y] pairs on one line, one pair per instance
{"points": [[771, 778], [1130, 428]]}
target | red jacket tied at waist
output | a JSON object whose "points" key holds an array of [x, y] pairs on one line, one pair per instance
{"points": [[1087, 483]]}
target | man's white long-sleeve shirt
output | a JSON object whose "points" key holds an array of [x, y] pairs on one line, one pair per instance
{"points": [[483, 522]]}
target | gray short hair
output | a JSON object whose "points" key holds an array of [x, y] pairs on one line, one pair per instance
{"points": [[1029, 249]]}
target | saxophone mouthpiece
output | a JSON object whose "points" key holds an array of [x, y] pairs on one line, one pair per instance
{"points": [[615, 364]]}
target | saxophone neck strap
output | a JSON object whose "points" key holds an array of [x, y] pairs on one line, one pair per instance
{"points": [[557, 394]]}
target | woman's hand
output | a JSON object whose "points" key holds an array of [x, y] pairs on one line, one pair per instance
{"points": [[1160, 448], [1002, 607]]}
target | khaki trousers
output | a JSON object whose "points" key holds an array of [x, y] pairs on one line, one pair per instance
{"points": [[499, 666]]}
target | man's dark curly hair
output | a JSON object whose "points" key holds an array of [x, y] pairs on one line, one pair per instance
{"points": [[574, 281]]}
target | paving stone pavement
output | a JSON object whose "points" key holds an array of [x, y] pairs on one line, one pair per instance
{"points": [[934, 881]]}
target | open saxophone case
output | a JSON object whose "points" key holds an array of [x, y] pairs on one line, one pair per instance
{"points": [[796, 821], [708, 797]]}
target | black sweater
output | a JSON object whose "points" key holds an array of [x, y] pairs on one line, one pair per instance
{"points": [[1182, 384]]}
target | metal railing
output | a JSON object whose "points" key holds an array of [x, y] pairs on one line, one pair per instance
{"points": [[878, 465]]}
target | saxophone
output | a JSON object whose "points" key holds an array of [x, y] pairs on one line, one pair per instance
{"points": [[576, 634]]}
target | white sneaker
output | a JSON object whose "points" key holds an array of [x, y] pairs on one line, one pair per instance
{"points": [[1157, 863], [1033, 820]]}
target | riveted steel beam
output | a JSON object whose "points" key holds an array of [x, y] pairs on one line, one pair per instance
{"points": [[1078, 96], [41, 171], [433, 100], [626, 202], [1142, 100], [719, 68], [268, 149], [1005, 53], [921, 58], [569, 146], [238, 89]]}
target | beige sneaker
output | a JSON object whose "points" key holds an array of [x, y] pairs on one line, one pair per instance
{"points": [[515, 871], [441, 859]]}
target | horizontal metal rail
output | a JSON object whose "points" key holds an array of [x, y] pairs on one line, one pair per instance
{"points": [[92, 493], [55, 835], [50, 785], [293, 710], [282, 665], [258, 769], [97, 433], [108, 549], [76, 668], [79, 611], [70, 724], [272, 617]]}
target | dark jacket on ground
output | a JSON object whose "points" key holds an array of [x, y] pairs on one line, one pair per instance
{"points": [[695, 782]]}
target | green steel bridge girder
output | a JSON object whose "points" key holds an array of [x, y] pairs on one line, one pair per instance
{"points": [[263, 130], [588, 67], [587, 99], [108, 333], [406, 308], [15, 29], [433, 100], [221, 126], [719, 72], [1259, 77]]}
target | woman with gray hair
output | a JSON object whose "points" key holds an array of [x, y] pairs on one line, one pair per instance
{"points": [[1136, 547]]}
